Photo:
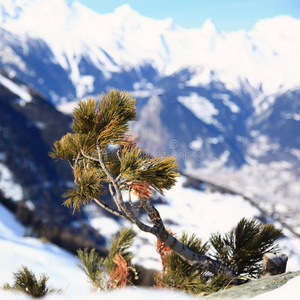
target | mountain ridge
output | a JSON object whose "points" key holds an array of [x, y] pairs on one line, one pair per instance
{"points": [[126, 40]]}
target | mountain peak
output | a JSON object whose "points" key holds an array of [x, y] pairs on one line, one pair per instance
{"points": [[125, 10], [208, 27]]}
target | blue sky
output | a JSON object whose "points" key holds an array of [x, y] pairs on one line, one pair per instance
{"points": [[228, 15]]}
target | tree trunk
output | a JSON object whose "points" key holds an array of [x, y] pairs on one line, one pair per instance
{"points": [[202, 262]]}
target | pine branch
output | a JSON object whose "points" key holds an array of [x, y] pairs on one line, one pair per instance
{"points": [[243, 248], [115, 270], [113, 196], [26, 281], [120, 244], [119, 197], [137, 207], [111, 210], [87, 187], [107, 121], [92, 264], [159, 172], [96, 125], [180, 275]]}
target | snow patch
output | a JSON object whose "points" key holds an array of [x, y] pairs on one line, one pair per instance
{"points": [[196, 144], [8, 186], [18, 90], [226, 100], [39, 257], [201, 107], [9, 226], [289, 116]]}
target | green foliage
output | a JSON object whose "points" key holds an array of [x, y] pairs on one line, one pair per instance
{"points": [[120, 244], [87, 186], [175, 264], [93, 267], [242, 249], [65, 148], [69, 147], [25, 281], [159, 172], [180, 275], [96, 125], [100, 270], [106, 121]]}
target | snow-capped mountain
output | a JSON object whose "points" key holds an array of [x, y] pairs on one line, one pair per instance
{"points": [[92, 48], [225, 102], [31, 183]]}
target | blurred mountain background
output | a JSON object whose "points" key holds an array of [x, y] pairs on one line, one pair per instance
{"points": [[226, 105]]}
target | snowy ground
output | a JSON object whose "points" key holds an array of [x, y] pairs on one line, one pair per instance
{"points": [[199, 212], [273, 186], [40, 257], [60, 266]]}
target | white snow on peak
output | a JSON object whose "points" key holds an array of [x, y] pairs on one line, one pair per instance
{"points": [[267, 56], [126, 11], [208, 28]]}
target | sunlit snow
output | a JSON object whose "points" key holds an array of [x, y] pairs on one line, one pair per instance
{"points": [[8, 186], [18, 90], [195, 211], [38, 256], [202, 108]]}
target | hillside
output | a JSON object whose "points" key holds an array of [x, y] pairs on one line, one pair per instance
{"points": [[61, 267]]}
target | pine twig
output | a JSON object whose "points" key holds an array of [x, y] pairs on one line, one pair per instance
{"points": [[137, 207], [124, 208], [111, 210], [113, 196], [89, 157]]}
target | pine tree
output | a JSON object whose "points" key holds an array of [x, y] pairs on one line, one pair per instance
{"points": [[98, 169], [241, 250], [179, 275], [26, 281], [116, 269]]}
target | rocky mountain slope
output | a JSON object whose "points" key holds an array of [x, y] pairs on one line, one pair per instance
{"points": [[226, 105], [214, 93], [28, 126]]}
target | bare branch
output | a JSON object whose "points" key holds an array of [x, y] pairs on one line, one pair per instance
{"points": [[202, 262], [137, 207], [119, 155], [89, 157], [77, 158], [118, 178], [110, 209], [113, 196], [71, 165], [119, 197]]}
